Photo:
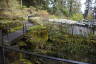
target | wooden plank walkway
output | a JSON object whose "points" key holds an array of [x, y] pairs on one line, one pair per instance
{"points": [[14, 35], [7, 39]]}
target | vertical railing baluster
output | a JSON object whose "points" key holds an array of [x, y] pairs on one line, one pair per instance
{"points": [[3, 50]]}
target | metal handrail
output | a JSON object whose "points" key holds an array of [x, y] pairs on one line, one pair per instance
{"points": [[43, 56]]}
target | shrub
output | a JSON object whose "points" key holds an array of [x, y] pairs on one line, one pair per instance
{"points": [[37, 35], [77, 17]]}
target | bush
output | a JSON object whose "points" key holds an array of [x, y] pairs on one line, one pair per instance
{"points": [[77, 17], [37, 35], [36, 20]]}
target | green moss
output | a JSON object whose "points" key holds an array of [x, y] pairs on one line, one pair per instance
{"points": [[39, 32], [22, 61], [37, 27], [16, 28]]}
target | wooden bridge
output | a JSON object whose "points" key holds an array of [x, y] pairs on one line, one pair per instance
{"points": [[17, 34], [14, 35], [10, 37]]}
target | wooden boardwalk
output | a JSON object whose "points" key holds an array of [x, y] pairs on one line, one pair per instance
{"points": [[14, 35], [19, 33], [7, 39]]}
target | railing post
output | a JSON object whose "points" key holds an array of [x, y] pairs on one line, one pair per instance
{"points": [[61, 27], [26, 28], [72, 25], [3, 50], [23, 27], [7, 30]]}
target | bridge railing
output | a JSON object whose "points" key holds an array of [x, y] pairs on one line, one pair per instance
{"points": [[11, 54], [43, 59], [73, 29]]}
